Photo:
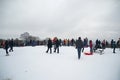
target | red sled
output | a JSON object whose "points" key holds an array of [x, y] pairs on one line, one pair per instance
{"points": [[88, 53]]}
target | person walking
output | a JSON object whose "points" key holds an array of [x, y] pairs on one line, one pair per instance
{"points": [[6, 47], [118, 43], [11, 44], [56, 45], [114, 46], [49, 45], [79, 46]]}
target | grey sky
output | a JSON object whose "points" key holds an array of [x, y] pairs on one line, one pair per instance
{"points": [[61, 18]]}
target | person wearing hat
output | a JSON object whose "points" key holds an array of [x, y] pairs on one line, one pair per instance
{"points": [[79, 46]]}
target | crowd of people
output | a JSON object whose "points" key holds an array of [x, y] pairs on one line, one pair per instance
{"points": [[56, 43], [80, 45]]}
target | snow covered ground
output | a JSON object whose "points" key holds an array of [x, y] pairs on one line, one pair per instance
{"points": [[32, 63]]}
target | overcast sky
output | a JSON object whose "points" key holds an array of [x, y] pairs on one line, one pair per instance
{"points": [[62, 18]]}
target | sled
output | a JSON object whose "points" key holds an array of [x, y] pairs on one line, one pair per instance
{"points": [[99, 50], [88, 53]]}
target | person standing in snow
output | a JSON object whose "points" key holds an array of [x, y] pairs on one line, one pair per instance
{"points": [[103, 44], [97, 44], [6, 47], [49, 45], [11, 44], [91, 47], [85, 43], [114, 46], [56, 45], [79, 46], [72, 42], [112, 43], [118, 43]]}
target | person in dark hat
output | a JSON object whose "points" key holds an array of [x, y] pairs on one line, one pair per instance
{"points": [[56, 45], [6, 47], [79, 46], [49, 45], [114, 46]]}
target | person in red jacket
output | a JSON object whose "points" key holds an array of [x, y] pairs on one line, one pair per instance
{"points": [[91, 46]]}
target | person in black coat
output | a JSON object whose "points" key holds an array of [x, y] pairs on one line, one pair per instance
{"points": [[112, 43], [6, 47], [11, 44], [49, 45], [79, 46], [114, 46], [118, 43], [56, 45]]}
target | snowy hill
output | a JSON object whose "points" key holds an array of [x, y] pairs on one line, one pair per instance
{"points": [[32, 63]]}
